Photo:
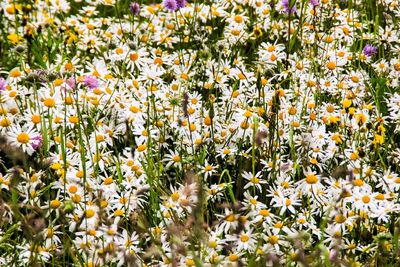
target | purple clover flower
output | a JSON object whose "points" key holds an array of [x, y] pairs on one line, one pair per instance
{"points": [[171, 5], [91, 82], [37, 141], [288, 9], [314, 2], [369, 50], [134, 8], [2, 84]]}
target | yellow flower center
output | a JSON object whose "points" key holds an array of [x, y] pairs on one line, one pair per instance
{"points": [[73, 189], [118, 213], [340, 218], [49, 102], [273, 240], [134, 56], [175, 196], [23, 138], [331, 65], [238, 19], [176, 158], [89, 213], [55, 203], [255, 180], [50, 232], [253, 201], [190, 262], [212, 243], [142, 147], [244, 238], [35, 118], [264, 213], [366, 199], [311, 179], [233, 257], [230, 218], [208, 168]]}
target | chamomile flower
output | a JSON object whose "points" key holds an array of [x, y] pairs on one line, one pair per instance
{"points": [[229, 221], [173, 159], [208, 170], [245, 240], [254, 180], [27, 140], [286, 203], [311, 184]]}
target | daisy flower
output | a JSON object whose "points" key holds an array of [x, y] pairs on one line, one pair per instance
{"points": [[311, 184], [251, 203], [286, 202], [229, 221], [254, 180], [208, 169], [245, 240], [28, 140]]}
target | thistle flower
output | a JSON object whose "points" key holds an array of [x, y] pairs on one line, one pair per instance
{"points": [[180, 3], [134, 8], [369, 50]]}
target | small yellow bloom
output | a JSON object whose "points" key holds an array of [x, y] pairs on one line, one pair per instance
{"points": [[14, 38]]}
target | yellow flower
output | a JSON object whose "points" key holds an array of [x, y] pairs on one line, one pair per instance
{"points": [[14, 38], [378, 139]]}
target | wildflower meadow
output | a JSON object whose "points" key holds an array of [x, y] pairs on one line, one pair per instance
{"points": [[199, 133]]}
